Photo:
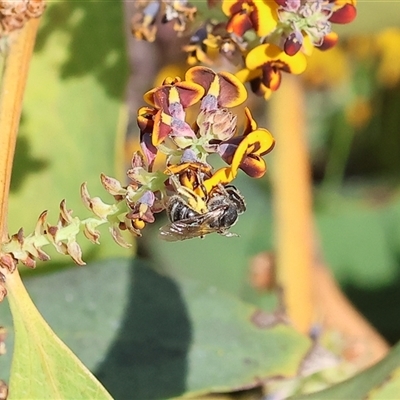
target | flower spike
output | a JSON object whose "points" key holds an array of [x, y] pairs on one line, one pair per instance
{"points": [[196, 197]]}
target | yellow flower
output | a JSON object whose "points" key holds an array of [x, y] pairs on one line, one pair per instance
{"points": [[244, 152], [260, 15], [387, 43], [222, 89], [327, 69], [264, 67]]}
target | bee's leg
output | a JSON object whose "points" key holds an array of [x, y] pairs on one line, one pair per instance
{"points": [[193, 200], [228, 234]]}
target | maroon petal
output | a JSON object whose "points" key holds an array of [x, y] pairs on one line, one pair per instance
{"points": [[202, 76], [186, 93], [227, 151], [253, 166], [145, 119], [329, 41], [223, 89], [148, 149], [271, 77], [293, 43], [189, 93], [344, 15], [161, 129], [160, 99], [228, 148], [232, 91], [257, 87], [239, 24]]}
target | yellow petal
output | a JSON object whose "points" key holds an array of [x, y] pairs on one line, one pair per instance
{"points": [[267, 16], [258, 142], [270, 53], [246, 75], [266, 11], [204, 77], [250, 124], [233, 92], [222, 176], [308, 46], [226, 87], [186, 93], [226, 6], [262, 140], [162, 128]]}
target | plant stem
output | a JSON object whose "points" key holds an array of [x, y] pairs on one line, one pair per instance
{"points": [[11, 94], [292, 191], [362, 343]]}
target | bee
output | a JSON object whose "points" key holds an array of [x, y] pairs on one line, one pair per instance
{"points": [[223, 210]]}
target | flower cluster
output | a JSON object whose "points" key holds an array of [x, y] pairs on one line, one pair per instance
{"points": [[263, 37], [143, 23], [188, 177], [198, 199], [288, 30], [187, 144]]}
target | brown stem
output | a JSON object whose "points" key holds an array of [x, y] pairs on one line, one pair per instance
{"points": [[11, 95], [362, 344], [310, 292], [292, 201]]}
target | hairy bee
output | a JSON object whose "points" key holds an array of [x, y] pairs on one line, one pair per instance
{"points": [[223, 210]]}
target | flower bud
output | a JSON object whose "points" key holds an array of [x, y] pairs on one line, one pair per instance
{"points": [[217, 124]]}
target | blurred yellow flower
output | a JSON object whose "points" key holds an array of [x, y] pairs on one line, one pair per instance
{"points": [[388, 47], [359, 112], [327, 69]]}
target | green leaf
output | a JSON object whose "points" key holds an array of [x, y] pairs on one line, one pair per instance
{"points": [[43, 367], [72, 108], [134, 326], [229, 349], [389, 389], [381, 381]]}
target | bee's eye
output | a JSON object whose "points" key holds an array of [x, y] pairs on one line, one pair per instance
{"points": [[229, 217], [236, 198]]}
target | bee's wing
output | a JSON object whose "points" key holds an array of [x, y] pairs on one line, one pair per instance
{"points": [[190, 228]]}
